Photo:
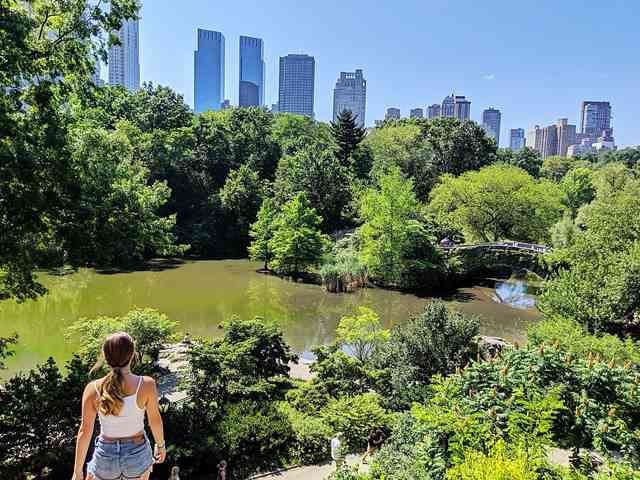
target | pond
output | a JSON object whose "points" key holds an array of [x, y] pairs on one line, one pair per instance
{"points": [[201, 294]]}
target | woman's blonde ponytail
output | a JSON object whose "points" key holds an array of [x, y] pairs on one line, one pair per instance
{"points": [[118, 350]]}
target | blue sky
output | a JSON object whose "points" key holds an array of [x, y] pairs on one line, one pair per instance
{"points": [[534, 60]]}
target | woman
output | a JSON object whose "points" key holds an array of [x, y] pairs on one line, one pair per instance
{"points": [[120, 399], [374, 442]]}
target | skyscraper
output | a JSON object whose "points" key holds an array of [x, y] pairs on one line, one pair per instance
{"points": [[534, 138], [566, 136], [491, 119], [124, 59], [433, 111], [392, 114], [448, 107], [517, 140], [595, 118], [350, 93], [461, 108], [296, 86], [252, 72], [416, 113], [549, 141], [208, 60]]}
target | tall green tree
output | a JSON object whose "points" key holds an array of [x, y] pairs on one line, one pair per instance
{"points": [[261, 233], [526, 158], [499, 202], [317, 172], [297, 242], [347, 134], [389, 214], [49, 50]]}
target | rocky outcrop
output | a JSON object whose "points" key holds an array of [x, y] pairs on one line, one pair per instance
{"points": [[490, 347], [173, 363]]}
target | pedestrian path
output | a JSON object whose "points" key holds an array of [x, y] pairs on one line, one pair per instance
{"points": [[311, 472]]}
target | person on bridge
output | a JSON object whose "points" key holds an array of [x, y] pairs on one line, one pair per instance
{"points": [[120, 400]]}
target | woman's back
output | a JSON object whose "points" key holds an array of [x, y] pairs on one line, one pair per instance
{"points": [[129, 421]]}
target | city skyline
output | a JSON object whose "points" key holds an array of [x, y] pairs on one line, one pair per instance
{"points": [[124, 59], [538, 90], [252, 72], [209, 71], [296, 88]]}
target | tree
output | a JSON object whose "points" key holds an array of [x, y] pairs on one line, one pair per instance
{"points": [[261, 233], [316, 171], [297, 243], [49, 52], [389, 215], [526, 158], [555, 167], [362, 333], [578, 188], [499, 202], [347, 135], [241, 196], [118, 221]]}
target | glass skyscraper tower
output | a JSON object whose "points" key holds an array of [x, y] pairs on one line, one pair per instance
{"points": [[297, 78], [208, 71], [251, 72], [124, 59]]}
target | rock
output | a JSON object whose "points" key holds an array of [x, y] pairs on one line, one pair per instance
{"points": [[490, 347]]}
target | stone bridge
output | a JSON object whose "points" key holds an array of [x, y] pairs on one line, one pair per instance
{"points": [[507, 246]]}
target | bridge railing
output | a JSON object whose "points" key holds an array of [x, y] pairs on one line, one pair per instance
{"points": [[531, 247]]}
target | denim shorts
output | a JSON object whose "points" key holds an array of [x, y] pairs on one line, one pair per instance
{"points": [[122, 459]]}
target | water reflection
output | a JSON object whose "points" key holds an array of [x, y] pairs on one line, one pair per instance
{"points": [[200, 295], [514, 293]]}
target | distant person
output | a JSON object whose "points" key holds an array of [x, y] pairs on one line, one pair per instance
{"points": [[175, 473], [120, 400], [337, 451], [374, 442], [222, 470]]}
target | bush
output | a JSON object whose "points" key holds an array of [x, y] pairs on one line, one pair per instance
{"points": [[255, 436], [312, 437], [148, 327], [573, 338], [355, 417]]}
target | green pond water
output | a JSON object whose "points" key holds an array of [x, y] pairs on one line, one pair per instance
{"points": [[201, 294]]}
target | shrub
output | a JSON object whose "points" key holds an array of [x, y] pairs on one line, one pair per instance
{"points": [[573, 338], [355, 417], [148, 327], [312, 437]]}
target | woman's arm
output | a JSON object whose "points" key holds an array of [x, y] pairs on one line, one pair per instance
{"points": [[155, 420], [85, 432]]}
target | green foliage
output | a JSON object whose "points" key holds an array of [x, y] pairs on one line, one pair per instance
{"points": [[149, 328], [316, 171], [39, 419], [261, 233], [555, 167], [526, 158], [564, 233], [251, 362], [347, 135], [49, 53], [362, 334], [578, 188], [498, 203], [312, 437], [389, 215], [573, 338], [297, 242], [435, 342], [342, 270], [355, 417], [5, 349]]}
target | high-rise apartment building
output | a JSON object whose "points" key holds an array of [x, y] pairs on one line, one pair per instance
{"points": [[124, 59], [416, 113], [595, 118], [448, 107], [549, 141], [392, 114], [516, 139], [491, 119], [350, 94], [433, 111], [566, 136], [296, 86], [534, 138], [208, 65], [226, 105], [252, 72], [462, 108]]}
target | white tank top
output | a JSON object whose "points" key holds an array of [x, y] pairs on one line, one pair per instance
{"points": [[128, 423]]}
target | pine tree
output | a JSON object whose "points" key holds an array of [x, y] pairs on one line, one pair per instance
{"points": [[347, 134]]}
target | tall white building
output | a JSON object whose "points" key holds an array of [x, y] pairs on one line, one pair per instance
{"points": [[124, 59], [351, 94]]}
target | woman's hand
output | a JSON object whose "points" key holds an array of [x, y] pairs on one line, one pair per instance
{"points": [[159, 454]]}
